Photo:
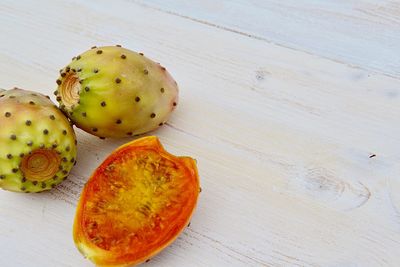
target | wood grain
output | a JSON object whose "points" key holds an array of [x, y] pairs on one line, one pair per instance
{"points": [[363, 34], [283, 138]]}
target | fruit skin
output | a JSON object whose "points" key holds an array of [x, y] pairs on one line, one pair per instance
{"points": [[114, 92], [36, 141], [135, 204]]}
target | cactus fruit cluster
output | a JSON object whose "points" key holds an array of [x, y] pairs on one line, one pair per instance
{"points": [[141, 197], [38, 145], [115, 92], [107, 91]]}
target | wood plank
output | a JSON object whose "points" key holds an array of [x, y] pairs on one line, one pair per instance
{"points": [[365, 34], [283, 140]]}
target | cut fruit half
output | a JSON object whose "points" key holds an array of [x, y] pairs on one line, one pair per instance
{"points": [[135, 204]]}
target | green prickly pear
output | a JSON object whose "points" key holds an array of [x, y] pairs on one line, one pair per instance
{"points": [[37, 142], [115, 92]]}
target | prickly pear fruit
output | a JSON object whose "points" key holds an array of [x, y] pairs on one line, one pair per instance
{"points": [[115, 92], [37, 142], [135, 204]]}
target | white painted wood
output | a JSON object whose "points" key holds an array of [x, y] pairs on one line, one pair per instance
{"points": [[283, 138], [363, 33]]}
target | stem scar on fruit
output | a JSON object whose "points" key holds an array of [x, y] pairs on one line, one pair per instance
{"points": [[69, 89]]}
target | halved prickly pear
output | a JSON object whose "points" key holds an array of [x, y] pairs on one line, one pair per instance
{"points": [[37, 142], [135, 204], [115, 92]]}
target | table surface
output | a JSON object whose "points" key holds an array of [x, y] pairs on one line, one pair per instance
{"points": [[291, 109]]}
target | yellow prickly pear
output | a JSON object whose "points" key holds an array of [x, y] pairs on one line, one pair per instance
{"points": [[115, 92]]}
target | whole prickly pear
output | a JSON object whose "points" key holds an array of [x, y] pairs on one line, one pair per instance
{"points": [[115, 92], [37, 142]]}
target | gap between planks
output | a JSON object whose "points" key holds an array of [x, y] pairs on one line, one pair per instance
{"points": [[255, 37]]}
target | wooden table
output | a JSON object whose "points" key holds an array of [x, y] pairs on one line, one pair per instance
{"points": [[290, 107]]}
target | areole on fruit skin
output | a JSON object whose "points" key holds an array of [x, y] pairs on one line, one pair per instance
{"points": [[38, 143], [135, 204], [114, 92]]}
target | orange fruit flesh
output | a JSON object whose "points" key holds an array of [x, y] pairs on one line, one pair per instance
{"points": [[135, 204]]}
